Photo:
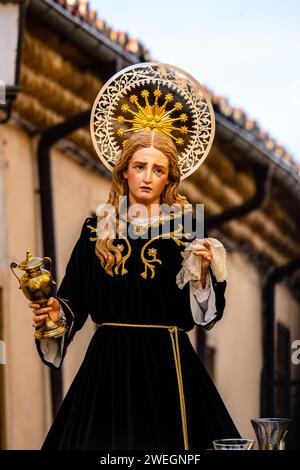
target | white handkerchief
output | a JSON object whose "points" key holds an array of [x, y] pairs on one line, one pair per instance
{"points": [[191, 264]]}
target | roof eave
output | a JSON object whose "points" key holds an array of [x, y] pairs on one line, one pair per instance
{"points": [[87, 38], [258, 153]]}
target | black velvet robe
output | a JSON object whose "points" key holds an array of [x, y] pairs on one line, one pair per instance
{"points": [[125, 394]]}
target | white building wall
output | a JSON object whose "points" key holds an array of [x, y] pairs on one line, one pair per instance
{"points": [[24, 377], [237, 340]]}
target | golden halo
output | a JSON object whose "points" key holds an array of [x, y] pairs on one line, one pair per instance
{"points": [[153, 96]]}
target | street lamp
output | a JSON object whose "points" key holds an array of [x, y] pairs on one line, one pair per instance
{"points": [[12, 18]]}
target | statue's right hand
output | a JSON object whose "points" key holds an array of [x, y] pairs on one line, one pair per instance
{"points": [[40, 314]]}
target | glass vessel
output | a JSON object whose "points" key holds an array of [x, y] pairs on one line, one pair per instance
{"points": [[271, 432], [233, 444]]}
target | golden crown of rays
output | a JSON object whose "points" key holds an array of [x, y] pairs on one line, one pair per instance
{"points": [[153, 116]]}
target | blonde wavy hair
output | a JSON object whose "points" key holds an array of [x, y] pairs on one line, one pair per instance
{"points": [[108, 254]]}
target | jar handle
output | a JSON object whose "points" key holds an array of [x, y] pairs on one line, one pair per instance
{"points": [[47, 261], [13, 266]]}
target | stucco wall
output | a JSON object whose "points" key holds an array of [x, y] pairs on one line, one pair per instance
{"points": [[237, 340], [288, 314], [24, 377]]}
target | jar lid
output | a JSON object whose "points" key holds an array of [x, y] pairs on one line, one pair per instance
{"points": [[30, 262]]}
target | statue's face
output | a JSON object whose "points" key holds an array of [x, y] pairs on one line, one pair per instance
{"points": [[147, 175]]}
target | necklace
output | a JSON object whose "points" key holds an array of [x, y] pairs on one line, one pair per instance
{"points": [[142, 224]]}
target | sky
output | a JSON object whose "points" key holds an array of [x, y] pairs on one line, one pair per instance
{"points": [[248, 51]]}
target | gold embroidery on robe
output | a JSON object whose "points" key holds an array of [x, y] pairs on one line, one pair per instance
{"points": [[93, 230], [124, 258], [152, 252], [151, 259]]}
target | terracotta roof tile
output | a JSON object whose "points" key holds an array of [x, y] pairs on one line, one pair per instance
{"points": [[81, 9], [239, 117]]}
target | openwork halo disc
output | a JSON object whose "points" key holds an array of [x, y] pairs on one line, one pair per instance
{"points": [[153, 96]]}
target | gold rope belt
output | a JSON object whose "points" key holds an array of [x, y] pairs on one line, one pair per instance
{"points": [[175, 346]]}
